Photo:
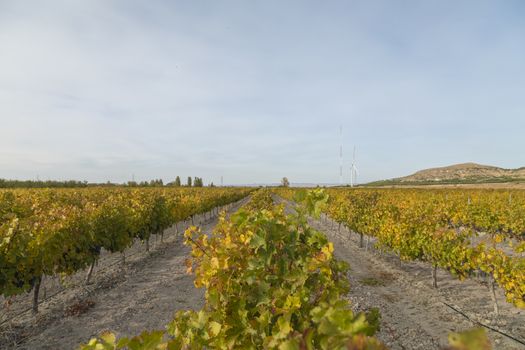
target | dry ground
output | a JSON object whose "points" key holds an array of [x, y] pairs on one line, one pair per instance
{"points": [[146, 293], [415, 315], [495, 186]]}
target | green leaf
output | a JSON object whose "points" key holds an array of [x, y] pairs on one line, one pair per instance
{"points": [[257, 242], [290, 344]]}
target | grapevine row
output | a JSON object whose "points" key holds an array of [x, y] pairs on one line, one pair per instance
{"points": [[442, 227], [62, 231], [271, 283]]}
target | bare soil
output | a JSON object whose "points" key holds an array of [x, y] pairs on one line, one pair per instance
{"points": [[142, 294], [414, 315], [145, 293]]}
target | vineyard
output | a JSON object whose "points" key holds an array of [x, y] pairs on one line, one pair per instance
{"points": [[271, 283], [270, 276], [463, 232], [62, 231]]}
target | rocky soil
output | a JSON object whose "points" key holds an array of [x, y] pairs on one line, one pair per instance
{"points": [[414, 315], [146, 291]]}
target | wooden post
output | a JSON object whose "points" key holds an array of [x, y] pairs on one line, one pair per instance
{"points": [[492, 282], [90, 271], [38, 280], [434, 276], [43, 285]]}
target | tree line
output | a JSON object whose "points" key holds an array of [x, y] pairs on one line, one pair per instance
{"points": [[196, 182], [190, 182]]}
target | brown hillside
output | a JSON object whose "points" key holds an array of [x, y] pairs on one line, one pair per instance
{"points": [[464, 171]]}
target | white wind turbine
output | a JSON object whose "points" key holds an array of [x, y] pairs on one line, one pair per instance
{"points": [[340, 155], [353, 172]]}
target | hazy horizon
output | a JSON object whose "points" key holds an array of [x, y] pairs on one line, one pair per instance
{"points": [[106, 90]]}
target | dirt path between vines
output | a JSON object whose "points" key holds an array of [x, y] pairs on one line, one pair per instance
{"points": [[143, 295], [147, 292], [413, 314]]}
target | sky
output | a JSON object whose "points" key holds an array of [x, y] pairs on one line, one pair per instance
{"points": [[107, 90]]}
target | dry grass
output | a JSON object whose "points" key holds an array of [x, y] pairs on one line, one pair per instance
{"points": [[79, 307], [502, 185]]}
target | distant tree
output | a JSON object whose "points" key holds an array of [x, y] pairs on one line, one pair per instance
{"points": [[189, 181], [177, 181], [212, 185], [285, 182], [197, 182]]}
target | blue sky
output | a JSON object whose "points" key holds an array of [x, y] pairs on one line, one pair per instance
{"points": [[256, 90]]}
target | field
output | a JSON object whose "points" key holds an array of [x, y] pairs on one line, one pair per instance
{"points": [[423, 263], [274, 175], [127, 298]]}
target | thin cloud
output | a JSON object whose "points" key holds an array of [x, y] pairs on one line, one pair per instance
{"points": [[101, 90]]}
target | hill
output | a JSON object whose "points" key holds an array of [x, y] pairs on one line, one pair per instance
{"points": [[464, 173]]}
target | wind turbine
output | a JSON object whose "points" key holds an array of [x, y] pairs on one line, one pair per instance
{"points": [[341, 155], [353, 172]]}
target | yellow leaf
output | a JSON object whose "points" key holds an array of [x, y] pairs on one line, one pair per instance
{"points": [[215, 328], [215, 263], [108, 337]]}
